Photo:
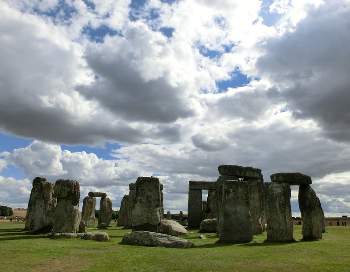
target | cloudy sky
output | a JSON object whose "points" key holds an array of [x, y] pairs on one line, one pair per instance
{"points": [[106, 91]]}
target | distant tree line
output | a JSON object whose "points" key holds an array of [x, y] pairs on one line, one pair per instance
{"points": [[5, 211]]}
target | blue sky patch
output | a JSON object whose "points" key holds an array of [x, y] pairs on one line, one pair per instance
{"points": [[62, 11], [101, 152], [167, 31], [10, 142], [98, 34], [12, 171], [237, 79]]}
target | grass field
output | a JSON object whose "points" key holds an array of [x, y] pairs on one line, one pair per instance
{"points": [[22, 252]]}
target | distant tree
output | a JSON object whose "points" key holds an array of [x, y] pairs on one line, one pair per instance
{"points": [[5, 211]]}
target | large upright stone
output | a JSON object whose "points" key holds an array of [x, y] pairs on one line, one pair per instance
{"points": [[211, 211], [147, 210], [105, 214], [279, 215], [67, 215], [123, 212], [41, 206], [88, 211], [234, 220], [195, 215], [311, 213], [291, 178], [254, 178], [256, 205], [130, 204]]}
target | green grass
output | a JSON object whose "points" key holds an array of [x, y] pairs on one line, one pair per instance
{"points": [[22, 252]]}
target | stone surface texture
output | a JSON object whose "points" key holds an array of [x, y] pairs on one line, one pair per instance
{"points": [[172, 227], [311, 213], [97, 194], [208, 225], [278, 211], [147, 210], [239, 171], [234, 220], [105, 214], [123, 212], [67, 215], [153, 239], [41, 206], [291, 178], [88, 211]]}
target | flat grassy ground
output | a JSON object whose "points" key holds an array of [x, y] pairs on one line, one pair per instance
{"points": [[22, 252]]}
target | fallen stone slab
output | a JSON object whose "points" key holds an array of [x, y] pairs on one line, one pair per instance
{"points": [[154, 239], [208, 225], [239, 171], [96, 236], [172, 227], [291, 178]]}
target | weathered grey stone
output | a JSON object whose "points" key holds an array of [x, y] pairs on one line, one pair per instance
{"points": [[147, 210], [211, 211], [171, 227], [123, 212], [168, 215], [256, 205], [311, 213], [153, 239], [291, 178], [88, 211], [82, 227], [195, 214], [67, 215], [208, 225], [279, 215], [97, 194], [96, 236], [239, 171], [41, 206], [234, 220], [105, 215], [131, 203]]}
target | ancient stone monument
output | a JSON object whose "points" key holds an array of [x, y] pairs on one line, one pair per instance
{"points": [[234, 219], [123, 212], [195, 206], [67, 215], [311, 213], [278, 211], [310, 206], [88, 212], [147, 210], [41, 206], [105, 215], [254, 179]]}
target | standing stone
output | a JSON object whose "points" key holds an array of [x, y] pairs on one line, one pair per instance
{"points": [[256, 205], [311, 213], [123, 212], [105, 215], [194, 208], [147, 210], [88, 211], [130, 204], [211, 211], [41, 206], [168, 215], [254, 178], [234, 220], [67, 216], [279, 215]]}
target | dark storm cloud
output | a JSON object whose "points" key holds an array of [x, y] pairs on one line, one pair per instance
{"points": [[311, 68]]}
